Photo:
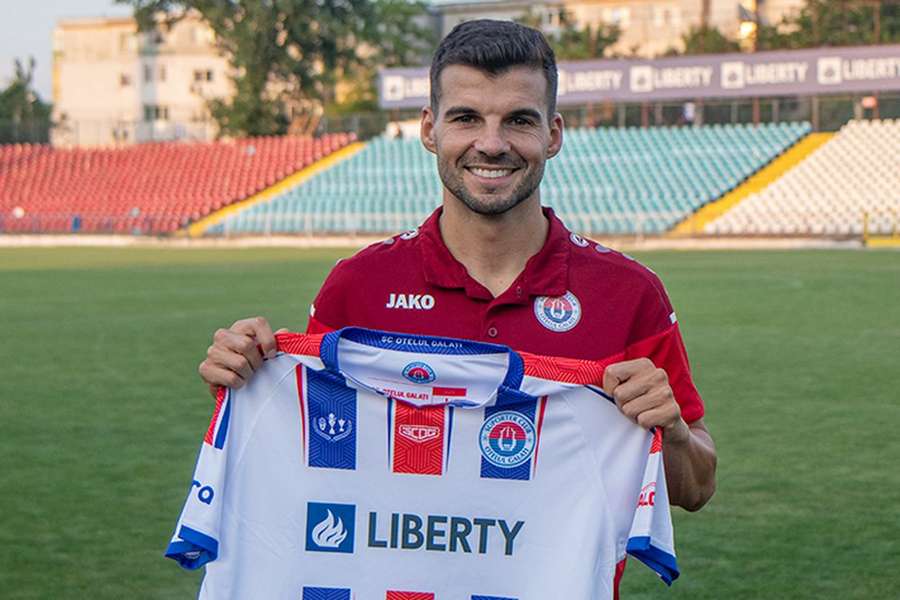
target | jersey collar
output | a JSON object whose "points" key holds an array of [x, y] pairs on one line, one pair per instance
{"points": [[545, 274]]}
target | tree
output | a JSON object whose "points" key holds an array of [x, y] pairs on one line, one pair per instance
{"points": [[289, 55], [571, 41], [835, 23], [705, 40], [23, 115]]}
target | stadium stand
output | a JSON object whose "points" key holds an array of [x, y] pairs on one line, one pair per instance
{"points": [[610, 181], [853, 178], [144, 189]]}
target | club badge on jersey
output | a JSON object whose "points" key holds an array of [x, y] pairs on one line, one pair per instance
{"points": [[558, 314]]}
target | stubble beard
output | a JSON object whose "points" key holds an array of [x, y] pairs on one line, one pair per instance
{"points": [[452, 179]]}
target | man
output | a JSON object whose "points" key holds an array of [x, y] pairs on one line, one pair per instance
{"points": [[492, 265]]}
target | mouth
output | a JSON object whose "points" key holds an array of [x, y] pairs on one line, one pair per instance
{"points": [[495, 174]]}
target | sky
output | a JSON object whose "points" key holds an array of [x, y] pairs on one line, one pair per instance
{"points": [[26, 29]]}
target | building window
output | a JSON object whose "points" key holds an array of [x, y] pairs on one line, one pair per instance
{"points": [[148, 73], [162, 73], [201, 75], [666, 16], [156, 112], [124, 80]]}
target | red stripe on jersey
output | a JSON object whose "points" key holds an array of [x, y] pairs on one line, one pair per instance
{"points": [[656, 445], [567, 370], [302, 401], [298, 343], [542, 405], [620, 568], [418, 439], [211, 431], [313, 327], [392, 595]]}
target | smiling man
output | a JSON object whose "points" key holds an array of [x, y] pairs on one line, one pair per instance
{"points": [[491, 264]]}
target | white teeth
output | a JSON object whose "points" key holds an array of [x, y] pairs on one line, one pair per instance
{"points": [[491, 173]]}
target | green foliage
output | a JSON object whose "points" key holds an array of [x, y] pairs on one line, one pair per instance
{"points": [[102, 412], [705, 40], [24, 117], [835, 23], [288, 56], [572, 41]]}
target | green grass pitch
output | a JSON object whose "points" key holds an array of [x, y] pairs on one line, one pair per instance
{"points": [[797, 355]]}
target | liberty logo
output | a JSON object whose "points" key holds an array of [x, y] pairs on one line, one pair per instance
{"points": [[332, 428], [330, 527]]}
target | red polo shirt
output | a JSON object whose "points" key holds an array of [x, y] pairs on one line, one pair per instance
{"points": [[575, 298]]}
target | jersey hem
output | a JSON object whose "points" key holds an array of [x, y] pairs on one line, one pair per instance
{"points": [[656, 558], [193, 550]]}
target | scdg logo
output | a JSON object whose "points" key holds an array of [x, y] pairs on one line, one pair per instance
{"points": [[205, 493]]}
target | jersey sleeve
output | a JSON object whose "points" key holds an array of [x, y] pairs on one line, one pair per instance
{"points": [[656, 336], [651, 539], [196, 538]]}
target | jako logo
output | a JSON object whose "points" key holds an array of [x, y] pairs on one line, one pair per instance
{"points": [[330, 527], [419, 372], [410, 301]]}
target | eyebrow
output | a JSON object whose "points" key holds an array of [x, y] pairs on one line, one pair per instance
{"points": [[465, 110]]}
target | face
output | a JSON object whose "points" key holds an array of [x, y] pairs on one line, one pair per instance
{"points": [[492, 136]]}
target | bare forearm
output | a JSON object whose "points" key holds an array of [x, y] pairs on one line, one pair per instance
{"points": [[690, 462]]}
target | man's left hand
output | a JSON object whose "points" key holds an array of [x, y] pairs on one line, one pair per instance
{"points": [[642, 392]]}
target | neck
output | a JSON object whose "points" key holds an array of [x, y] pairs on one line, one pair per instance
{"points": [[495, 248]]}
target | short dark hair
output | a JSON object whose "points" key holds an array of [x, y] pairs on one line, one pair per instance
{"points": [[494, 46]]}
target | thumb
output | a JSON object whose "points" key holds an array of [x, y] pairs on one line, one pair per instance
{"points": [[283, 330]]}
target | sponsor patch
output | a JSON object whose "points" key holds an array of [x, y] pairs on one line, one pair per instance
{"points": [[330, 527], [331, 414], [558, 314], [419, 372], [418, 439]]}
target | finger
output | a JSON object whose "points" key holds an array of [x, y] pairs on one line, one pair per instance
{"points": [[259, 329], [629, 368], [218, 376], [233, 361], [662, 416], [610, 381], [283, 330], [634, 387], [228, 341]]}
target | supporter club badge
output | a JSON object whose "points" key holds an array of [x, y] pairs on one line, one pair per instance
{"points": [[558, 314], [507, 439]]}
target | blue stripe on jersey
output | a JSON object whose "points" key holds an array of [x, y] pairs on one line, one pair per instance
{"points": [[662, 562], [219, 442], [320, 593], [492, 598], [521, 469], [332, 422]]}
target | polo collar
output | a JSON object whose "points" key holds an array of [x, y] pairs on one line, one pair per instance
{"points": [[545, 274]]}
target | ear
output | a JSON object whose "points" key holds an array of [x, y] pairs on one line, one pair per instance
{"points": [[426, 130], [556, 135]]}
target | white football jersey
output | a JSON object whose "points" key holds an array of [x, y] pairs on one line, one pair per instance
{"points": [[381, 466]]}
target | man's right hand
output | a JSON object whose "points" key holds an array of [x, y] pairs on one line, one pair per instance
{"points": [[237, 352]]}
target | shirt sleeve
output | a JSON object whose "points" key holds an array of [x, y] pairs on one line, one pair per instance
{"points": [[196, 538], [656, 336], [651, 539]]}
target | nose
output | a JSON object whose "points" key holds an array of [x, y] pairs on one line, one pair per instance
{"points": [[491, 140]]}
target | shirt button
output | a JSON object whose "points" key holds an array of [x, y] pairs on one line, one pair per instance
{"points": [[518, 290], [492, 332]]}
